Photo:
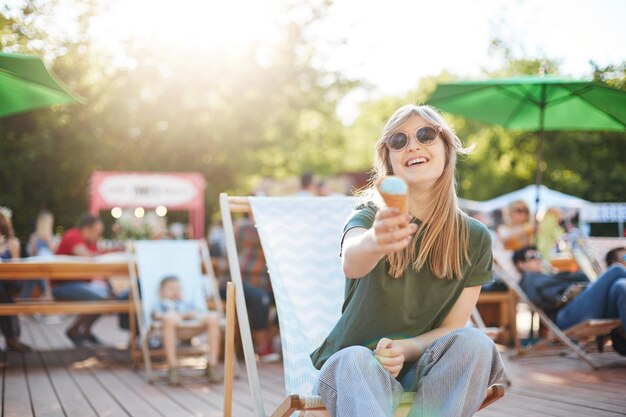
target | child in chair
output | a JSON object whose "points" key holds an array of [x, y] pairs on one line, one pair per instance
{"points": [[181, 319]]}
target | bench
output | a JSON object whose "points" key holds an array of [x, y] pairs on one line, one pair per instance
{"points": [[64, 268]]}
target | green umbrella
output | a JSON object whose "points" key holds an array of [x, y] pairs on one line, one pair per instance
{"points": [[26, 84], [536, 104]]}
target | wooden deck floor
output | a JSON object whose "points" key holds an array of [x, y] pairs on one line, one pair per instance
{"points": [[58, 380]]}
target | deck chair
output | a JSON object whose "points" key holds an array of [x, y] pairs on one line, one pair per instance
{"points": [[593, 250], [580, 338], [301, 240], [150, 262]]}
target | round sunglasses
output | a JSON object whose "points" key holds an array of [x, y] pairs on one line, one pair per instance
{"points": [[425, 135]]}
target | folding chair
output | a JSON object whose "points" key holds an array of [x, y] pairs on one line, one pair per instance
{"points": [[590, 253], [150, 262], [301, 240], [579, 338]]}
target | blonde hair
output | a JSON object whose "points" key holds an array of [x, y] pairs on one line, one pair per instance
{"points": [[444, 230], [515, 205], [44, 224]]}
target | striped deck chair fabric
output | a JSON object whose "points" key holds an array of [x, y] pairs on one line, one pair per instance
{"points": [[301, 239]]}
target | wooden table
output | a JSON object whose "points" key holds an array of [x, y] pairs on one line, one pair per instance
{"points": [[64, 268]]}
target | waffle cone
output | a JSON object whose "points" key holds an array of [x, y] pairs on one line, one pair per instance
{"points": [[399, 201]]}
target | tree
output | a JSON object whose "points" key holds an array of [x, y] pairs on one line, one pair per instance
{"points": [[162, 107]]}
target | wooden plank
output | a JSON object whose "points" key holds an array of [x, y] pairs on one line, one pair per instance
{"points": [[17, 401], [53, 336], [211, 395], [45, 401], [66, 307], [531, 405], [133, 403], [61, 270], [185, 396], [131, 385], [73, 400], [82, 366], [229, 352], [563, 387]]}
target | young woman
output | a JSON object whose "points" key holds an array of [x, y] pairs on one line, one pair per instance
{"points": [[41, 243], [517, 231], [412, 283]]}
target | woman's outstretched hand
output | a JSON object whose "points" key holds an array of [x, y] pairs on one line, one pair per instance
{"points": [[392, 230], [390, 355]]}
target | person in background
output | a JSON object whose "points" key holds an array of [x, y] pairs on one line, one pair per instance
{"points": [[82, 241], [615, 256], [550, 233], [574, 236], [497, 285], [322, 189], [307, 187], [9, 249], [517, 230], [41, 243], [569, 298], [257, 288]]}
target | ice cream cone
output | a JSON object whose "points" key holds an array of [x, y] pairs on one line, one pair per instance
{"points": [[393, 190], [398, 201]]}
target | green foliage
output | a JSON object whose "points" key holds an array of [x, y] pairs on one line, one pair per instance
{"points": [[157, 107]]}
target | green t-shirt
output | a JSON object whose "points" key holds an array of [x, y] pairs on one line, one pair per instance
{"points": [[378, 305]]}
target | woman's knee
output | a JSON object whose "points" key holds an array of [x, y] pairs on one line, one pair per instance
{"points": [[473, 341], [357, 357], [473, 346]]}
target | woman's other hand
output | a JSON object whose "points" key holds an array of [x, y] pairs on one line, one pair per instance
{"points": [[390, 355]]}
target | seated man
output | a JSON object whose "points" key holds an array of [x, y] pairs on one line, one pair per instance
{"points": [[570, 298], [181, 319], [81, 241]]}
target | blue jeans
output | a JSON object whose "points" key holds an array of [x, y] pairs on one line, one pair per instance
{"points": [[604, 299], [80, 291], [27, 287], [258, 303]]}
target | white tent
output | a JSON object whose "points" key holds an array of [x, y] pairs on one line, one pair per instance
{"points": [[548, 198]]}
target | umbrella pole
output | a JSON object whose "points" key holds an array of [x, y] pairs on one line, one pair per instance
{"points": [[542, 108], [538, 170]]}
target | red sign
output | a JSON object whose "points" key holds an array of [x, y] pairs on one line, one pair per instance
{"points": [[174, 190]]}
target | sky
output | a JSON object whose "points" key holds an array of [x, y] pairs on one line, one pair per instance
{"points": [[392, 44]]}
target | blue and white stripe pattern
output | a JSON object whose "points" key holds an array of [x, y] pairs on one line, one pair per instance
{"points": [[301, 239]]}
